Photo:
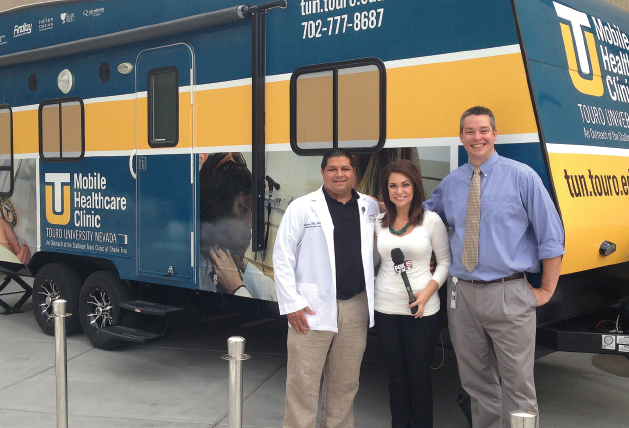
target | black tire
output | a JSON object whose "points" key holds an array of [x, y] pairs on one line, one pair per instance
{"points": [[99, 306], [56, 281]]}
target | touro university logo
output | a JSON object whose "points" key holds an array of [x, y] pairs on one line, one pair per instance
{"points": [[58, 198], [80, 198], [579, 21], [77, 205], [584, 62]]}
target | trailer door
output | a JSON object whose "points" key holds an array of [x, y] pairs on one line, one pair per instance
{"points": [[164, 164]]}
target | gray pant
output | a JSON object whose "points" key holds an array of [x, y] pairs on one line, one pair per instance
{"points": [[493, 334], [336, 356]]}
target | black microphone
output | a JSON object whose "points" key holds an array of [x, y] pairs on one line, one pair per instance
{"points": [[273, 183], [400, 266]]}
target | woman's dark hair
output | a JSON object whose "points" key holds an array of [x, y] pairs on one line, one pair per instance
{"points": [[407, 168], [369, 168], [220, 185]]}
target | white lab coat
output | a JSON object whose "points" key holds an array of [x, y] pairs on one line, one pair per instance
{"points": [[304, 263]]}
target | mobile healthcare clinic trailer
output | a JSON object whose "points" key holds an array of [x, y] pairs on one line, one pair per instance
{"points": [[144, 142]]}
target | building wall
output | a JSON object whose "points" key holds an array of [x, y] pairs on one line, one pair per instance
{"points": [[620, 3], [8, 4]]}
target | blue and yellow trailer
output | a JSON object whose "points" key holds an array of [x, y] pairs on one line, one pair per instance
{"points": [[142, 142]]}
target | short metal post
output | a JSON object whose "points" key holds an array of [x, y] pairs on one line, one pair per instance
{"points": [[61, 362], [523, 419], [235, 356]]}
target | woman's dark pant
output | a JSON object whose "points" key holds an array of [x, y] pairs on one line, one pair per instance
{"points": [[407, 346]]}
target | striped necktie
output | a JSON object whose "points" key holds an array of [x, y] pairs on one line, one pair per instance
{"points": [[472, 222]]}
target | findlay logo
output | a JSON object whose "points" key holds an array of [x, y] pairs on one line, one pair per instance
{"points": [[21, 30], [58, 198], [579, 21]]}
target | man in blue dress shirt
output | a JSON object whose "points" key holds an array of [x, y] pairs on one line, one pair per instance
{"points": [[491, 307]]}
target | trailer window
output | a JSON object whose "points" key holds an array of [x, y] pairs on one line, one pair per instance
{"points": [[6, 151], [163, 107], [62, 130], [339, 105]]}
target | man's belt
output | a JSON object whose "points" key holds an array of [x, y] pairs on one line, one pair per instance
{"points": [[347, 296], [519, 275]]}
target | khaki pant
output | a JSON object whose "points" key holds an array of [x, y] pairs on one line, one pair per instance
{"points": [[336, 356], [493, 334]]}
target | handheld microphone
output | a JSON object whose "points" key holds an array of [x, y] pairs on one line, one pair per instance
{"points": [[273, 183], [400, 266]]}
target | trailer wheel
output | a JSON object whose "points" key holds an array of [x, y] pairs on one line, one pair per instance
{"points": [[99, 306], [56, 281]]}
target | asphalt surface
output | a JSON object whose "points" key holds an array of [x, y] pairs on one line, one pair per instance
{"points": [[182, 382]]}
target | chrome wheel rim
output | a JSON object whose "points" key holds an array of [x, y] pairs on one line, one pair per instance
{"points": [[48, 294], [100, 309]]}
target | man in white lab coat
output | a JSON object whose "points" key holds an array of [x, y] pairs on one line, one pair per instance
{"points": [[324, 275]]}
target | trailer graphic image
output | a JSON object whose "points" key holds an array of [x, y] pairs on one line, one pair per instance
{"points": [[149, 149]]}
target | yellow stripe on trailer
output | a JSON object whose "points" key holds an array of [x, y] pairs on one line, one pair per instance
{"points": [[423, 101], [426, 101]]}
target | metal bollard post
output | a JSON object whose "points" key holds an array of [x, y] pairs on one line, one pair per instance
{"points": [[61, 362], [235, 356], [523, 419]]}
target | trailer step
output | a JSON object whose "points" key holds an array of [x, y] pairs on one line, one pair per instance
{"points": [[150, 308], [130, 334], [586, 333]]}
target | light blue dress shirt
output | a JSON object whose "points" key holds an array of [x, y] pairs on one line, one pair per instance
{"points": [[519, 224]]}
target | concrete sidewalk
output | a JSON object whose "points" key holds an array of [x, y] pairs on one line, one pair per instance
{"points": [[183, 382]]}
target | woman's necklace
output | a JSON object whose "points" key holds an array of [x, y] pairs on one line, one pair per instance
{"points": [[401, 231]]}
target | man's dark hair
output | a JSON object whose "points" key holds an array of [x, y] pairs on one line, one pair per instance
{"points": [[337, 153], [478, 111], [220, 185]]}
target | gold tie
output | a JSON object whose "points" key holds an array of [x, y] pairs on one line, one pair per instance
{"points": [[472, 222]]}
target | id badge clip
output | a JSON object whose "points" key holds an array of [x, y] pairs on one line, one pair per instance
{"points": [[455, 280]]}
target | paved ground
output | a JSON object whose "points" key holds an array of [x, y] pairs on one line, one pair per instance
{"points": [[182, 382]]}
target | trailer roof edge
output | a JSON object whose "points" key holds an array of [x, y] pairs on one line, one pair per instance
{"points": [[40, 5], [168, 28]]}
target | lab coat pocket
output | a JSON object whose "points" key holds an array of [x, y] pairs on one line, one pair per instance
{"points": [[309, 292]]}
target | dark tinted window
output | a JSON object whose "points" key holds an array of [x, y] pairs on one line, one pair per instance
{"points": [[163, 107]]}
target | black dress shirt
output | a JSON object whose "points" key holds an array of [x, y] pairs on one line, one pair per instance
{"points": [[350, 275]]}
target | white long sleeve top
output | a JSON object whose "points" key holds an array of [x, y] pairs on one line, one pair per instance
{"points": [[390, 294]]}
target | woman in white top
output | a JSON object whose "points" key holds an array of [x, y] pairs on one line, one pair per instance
{"points": [[408, 340]]}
